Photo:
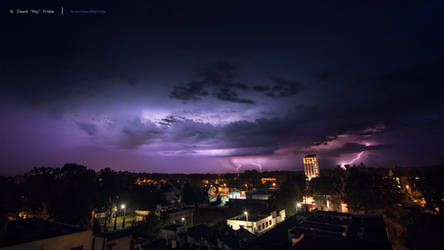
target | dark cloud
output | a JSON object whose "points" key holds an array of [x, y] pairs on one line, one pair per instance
{"points": [[220, 79], [393, 96], [350, 148], [285, 88], [324, 76], [87, 127], [189, 131], [280, 87], [137, 133], [406, 89], [131, 80], [261, 88], [227, 94], [171, 119], [193, 91]]}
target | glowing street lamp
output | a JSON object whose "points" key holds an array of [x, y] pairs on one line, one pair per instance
{"points": [[183, 220], [124, 214], [246, 214]]}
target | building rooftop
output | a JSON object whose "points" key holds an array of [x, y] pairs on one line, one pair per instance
{"points": [[253, 217], [310, 156], [22, 231]]}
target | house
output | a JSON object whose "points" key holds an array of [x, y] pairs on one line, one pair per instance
{"points": [[41, 234], [256, 223], [141, 215]]}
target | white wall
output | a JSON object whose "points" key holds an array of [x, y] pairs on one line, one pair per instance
{"points": [[252, 226]]}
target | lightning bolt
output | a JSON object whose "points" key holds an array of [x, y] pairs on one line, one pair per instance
{"points": [[353, 160]]}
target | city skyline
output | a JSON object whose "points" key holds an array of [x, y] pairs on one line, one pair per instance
{"points": [[204, 88]]}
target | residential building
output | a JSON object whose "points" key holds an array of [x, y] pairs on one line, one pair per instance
{"points": [[256, 223], [141, 215], [311, 166], [268, 179]]}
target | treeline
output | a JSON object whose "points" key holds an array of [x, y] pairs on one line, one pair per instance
{"points": [[69, 194]]}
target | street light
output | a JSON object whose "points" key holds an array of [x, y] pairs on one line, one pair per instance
{"points": [[246, 214], [124, 213], [183, 220]]}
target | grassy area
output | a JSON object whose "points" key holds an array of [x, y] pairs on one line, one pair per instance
{"points": [[128, 221]]}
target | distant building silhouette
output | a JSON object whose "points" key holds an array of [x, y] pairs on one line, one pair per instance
{"points": [[311, 166]]}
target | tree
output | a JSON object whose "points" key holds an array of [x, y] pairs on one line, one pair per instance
{"points": [[431, 187], [77, 194], [289, 193], [366, 190], [9, 196], [251, 176], [40, 188], [150, 229], [194, 194], [424, 230], [325, 185]]}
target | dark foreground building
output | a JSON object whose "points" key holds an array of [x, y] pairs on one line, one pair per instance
{"points": [[41, 234], [326, 230]]}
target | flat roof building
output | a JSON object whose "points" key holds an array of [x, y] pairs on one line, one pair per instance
{"points": [[256, 223]]}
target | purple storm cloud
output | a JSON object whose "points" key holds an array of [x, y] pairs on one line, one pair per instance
{"points": [[231, 93]]}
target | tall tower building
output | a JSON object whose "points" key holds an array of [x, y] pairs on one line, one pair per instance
{"points": [[311, 166]]}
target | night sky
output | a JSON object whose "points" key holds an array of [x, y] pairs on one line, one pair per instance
{"points": [[223, 86]]}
